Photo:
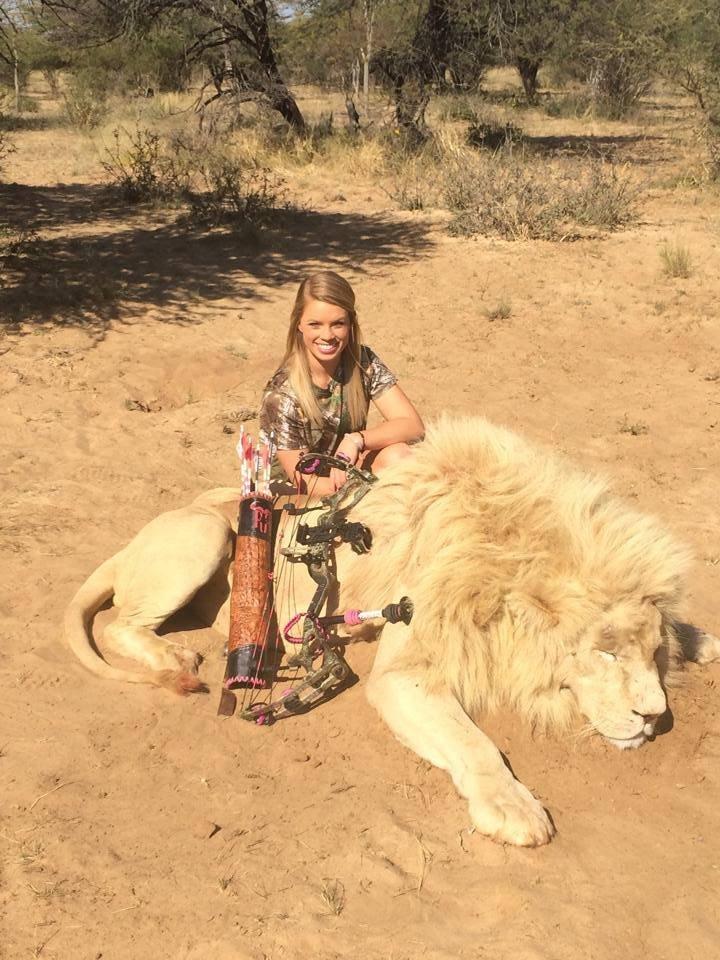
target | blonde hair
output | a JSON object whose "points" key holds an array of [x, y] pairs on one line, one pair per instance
{"points": [[327, 287]]}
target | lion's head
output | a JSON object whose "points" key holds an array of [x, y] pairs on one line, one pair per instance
{"points": [[616, 673], [535, 589]]}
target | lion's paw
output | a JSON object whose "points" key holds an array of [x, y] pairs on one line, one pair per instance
{"points": [[509, 813], [188, 659], [707, 649]]}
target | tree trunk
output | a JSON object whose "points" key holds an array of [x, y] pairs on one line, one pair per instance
{"points": [[369, 17], [280, 98], [528, 70], [284, 102], [366, 80], [437, 46], [16, 78], [228, 69]]}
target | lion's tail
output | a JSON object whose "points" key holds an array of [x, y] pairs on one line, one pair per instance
{"points": [[98, 588]]}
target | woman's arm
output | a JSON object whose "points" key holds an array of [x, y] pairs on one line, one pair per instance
{"points": [[402, 424], [402, 421]]}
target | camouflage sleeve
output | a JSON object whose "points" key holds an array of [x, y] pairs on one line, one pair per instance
{"points": [[377, 376], [280, 414]]}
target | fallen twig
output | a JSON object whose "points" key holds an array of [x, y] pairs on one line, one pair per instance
{"points": [[43, 795]]}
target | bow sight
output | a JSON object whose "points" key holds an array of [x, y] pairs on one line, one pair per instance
{"points": [[331, 525]]}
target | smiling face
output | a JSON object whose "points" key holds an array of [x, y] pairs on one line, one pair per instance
{"points": [[325, 332], [614, 674]]}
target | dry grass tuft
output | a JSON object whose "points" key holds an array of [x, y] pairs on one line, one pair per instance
{"points": [[501, 311], [676, 260], [332, 894], [410, 184], [637, 428]]}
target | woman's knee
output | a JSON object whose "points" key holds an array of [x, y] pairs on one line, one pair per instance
{"points": [[390, 455]]}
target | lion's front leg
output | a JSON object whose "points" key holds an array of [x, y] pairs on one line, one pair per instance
{"points": [[435, 726], [708, 648], [696, 644]]}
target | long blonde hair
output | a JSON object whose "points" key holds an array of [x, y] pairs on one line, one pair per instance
{"points": [[328, 287]]}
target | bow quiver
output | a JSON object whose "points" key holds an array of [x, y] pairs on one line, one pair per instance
{"points": [[249, 655]]}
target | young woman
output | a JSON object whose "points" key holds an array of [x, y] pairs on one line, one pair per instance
{"points": [[319, 397]]}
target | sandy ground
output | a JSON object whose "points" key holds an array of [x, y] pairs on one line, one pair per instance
{"points": [[138, 825]]}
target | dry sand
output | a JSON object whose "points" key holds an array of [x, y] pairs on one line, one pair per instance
{"points": [[138, 825]]}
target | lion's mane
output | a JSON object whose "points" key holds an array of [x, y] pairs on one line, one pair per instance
{"points": [[509, 554]]}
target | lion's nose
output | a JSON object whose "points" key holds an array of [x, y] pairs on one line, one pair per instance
{"points": [[649, 722], [650, 702], [649, 717]]}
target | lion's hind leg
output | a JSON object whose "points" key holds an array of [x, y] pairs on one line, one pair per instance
{"points": [[436, 727], [177, 666], [165, 567], [139, 641]]}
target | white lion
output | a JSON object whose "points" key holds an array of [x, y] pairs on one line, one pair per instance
{"points": [[534, 588]]}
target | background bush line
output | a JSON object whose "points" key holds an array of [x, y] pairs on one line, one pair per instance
{"points": [[413, 49], [442, 142]]}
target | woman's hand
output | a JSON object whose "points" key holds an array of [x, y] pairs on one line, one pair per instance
{"points": [[349, 449]]}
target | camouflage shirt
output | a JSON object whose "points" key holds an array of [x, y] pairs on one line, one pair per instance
{"points": [[281, 412]]}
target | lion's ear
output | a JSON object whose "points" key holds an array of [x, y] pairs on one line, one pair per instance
{"points": [[654, 604], [533, 608], [652, 607], [565, 604]]}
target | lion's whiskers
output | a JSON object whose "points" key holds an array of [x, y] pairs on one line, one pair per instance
{"points": [[584, 732]]}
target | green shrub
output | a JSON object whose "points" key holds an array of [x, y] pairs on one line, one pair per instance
{"points": [[618, 81], [238, 193], [218, 187], [516, 198], [85, 97], [574, 106], [6, 148], [148, 168], [604, 198], [491, 135]]}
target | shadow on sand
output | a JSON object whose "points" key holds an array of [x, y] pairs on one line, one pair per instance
{"points": [[99, 263], [630, 148]]}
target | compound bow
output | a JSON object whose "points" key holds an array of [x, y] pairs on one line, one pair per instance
{"points": [[316, 550]]}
